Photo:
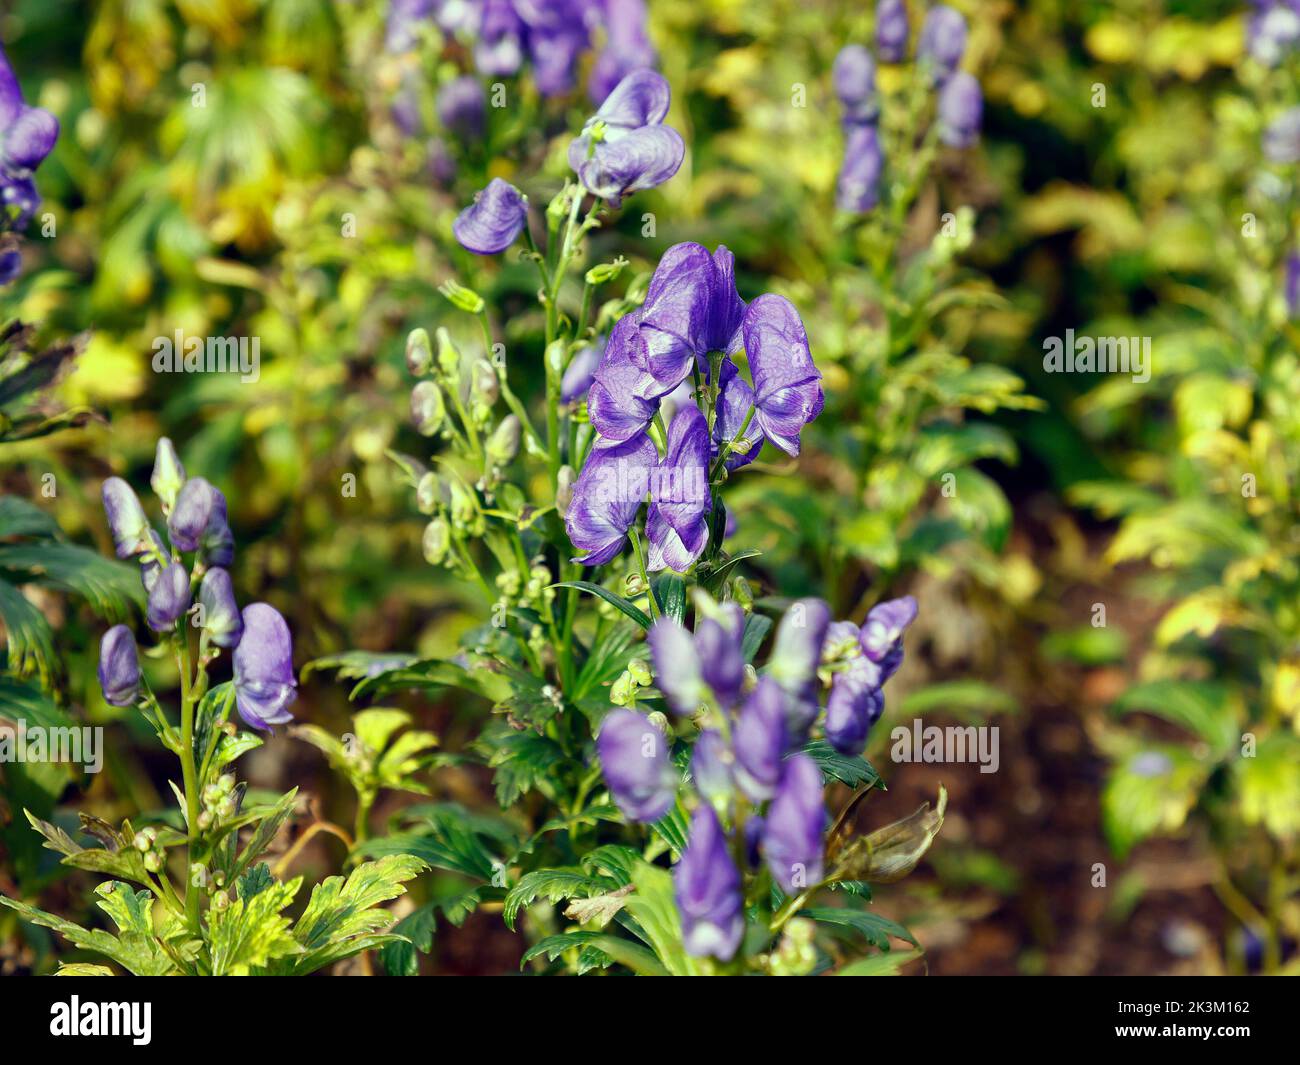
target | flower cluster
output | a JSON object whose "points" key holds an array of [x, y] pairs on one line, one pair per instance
{"points": [[195, 514], [939, 51], [691, 325], [550, 35], [1273, 30], [27, 136], [747, 765]]}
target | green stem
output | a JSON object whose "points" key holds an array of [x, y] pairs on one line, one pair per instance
{"points": [[645, 576], [189, 776]]}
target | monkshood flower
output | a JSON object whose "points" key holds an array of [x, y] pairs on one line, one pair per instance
{"points": [[627, 47], [616, 406], [404, 18], [1273, 30], [634, 759], [854, 77], [678, 670], [494, 220], [858, 187], [155, 558], [734, 416], [706, 885], [119, 667], [581, 372], [126, 518], [719, 646], [794, 825], [557, 34], [787, 384], [168, 474], [263, 668], [1291, 286], [677, 523], [217, 546], [854, 705], [942, 42], [961, 107], [711, 766], [189, 518], [27, 136], [606, 498], [625, 146], [221, 618], [169, 598], [796, 653], [499, 51], [882, 633], [462, 107], [891, 30], [760, 740], [1282, 138]]}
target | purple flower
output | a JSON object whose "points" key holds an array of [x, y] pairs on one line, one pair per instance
{"points": [[1282, 138], [677, 523], [787, 385], [494, 220], [796, 653], [404, 17], [119, 667], [760, 740], [854, 77], [554, 53], [263, 668], [855, 704], [169, 598], [961, 106], [581, 372], [500, 48], [707, 887], [634, 758], [1291, 286], [691, 309], [126, 518], [615, 404], [858, 188], [221, 618], [736, 411], [27, 136], [153, 561], [710, 765], [1272, 31], [606, 497], [792, 830], [942, 42], [891, 30], [627, 47], [678, 671], [625, 146], [188, 520], [217, 548], [462, 107], [718, 643], [882, 633]]}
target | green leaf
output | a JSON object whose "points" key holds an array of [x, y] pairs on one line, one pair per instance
{"points": [[554, 885], [616, 601], [670, 594], [855, 772], [654, 909], [18, 517], [757, 626], [250, 934], [881, 964], [963, 699], [1270, 785], [112, 588], [1208, 710], [1151, 791], [875, 929], [137, 954], [417, 928], [267, 827]]}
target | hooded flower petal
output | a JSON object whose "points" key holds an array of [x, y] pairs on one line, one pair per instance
{"points": [[494, 220], [678, 671], [608, 493], [796, 653], [263, 668], [1291, 285], [188, 520], [462, 107], [854, 705], [942, 42], [500, 48], [961, 108], [126, 518], [891, 30], [680, 485], [119, 667], [718, 642], [581, 371], [168, 474], [761, 740], [667, 549], [854, 77], [793, 828], [169, 598], [707, 888], [886, 622], [858, 187], [711, 766], [218, 544], [634, 758], [787, 385], [221, 618], [614, 404]]}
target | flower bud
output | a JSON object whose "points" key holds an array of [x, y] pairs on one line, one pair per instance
{"points": [[168, 473], [141, 842], [623, 691], [437, 541], [448, 356], [427, 408], [464, 299], [634, 759], [640, 672], [428, 493], [503, 444], [119, 667], [153, 861], [419, 354], [126, 519], [707, 888], [221, 618], [188, 520], [605, 272], [169, 599], [484, 383]]}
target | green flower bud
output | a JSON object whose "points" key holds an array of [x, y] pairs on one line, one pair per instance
{"points": [[211, 795], [623, 691], [168, 474], [419, 353], [448, 356], [220, 901], [635, 584], [466, 299], [795, 955], [437, 541], [660, 721], [226, 808], [503, 444], [742, 593], [226, 782], [640, 672], [556, 355], [141, 841], [486, 386], [427, 408], [206, 820], [153, 861], [605, 272]]}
